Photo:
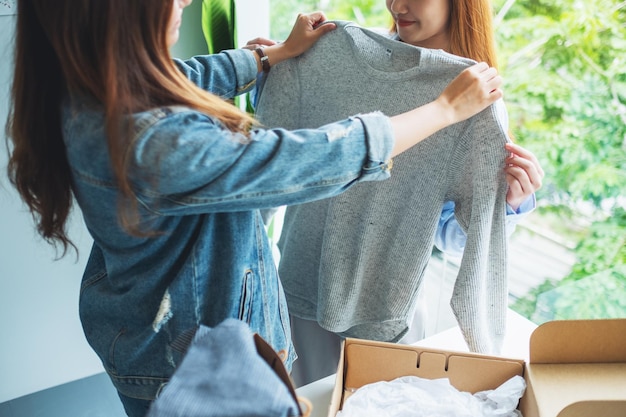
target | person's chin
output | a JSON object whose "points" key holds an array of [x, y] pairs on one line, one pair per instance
{"points": [[172, 38], [408, 36]]}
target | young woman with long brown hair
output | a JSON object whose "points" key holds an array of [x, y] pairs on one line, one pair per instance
{"points": [[170, 177]]}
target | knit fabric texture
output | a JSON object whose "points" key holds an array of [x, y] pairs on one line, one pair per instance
{"points": [[355, 262]]}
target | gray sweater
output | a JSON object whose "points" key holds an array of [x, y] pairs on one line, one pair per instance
{"points": [[355, 262]]}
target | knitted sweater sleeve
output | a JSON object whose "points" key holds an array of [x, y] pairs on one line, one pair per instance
{"points": [[282, 106], [480, 291]]}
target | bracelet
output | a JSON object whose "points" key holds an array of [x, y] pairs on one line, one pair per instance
{"points": [[265, 62]]}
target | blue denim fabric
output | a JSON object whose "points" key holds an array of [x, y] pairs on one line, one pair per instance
{"points": [[201, 187], [223, 375]]}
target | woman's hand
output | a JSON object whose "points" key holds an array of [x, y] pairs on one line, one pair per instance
{"points": [[474, 89], [307, 30], [523, 174], [258, 43]]}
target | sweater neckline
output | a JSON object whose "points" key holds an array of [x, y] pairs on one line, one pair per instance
{"points": [[371, 38], [424, 59]]}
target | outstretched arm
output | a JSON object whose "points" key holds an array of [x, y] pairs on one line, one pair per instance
{"points": [[473, 90]]}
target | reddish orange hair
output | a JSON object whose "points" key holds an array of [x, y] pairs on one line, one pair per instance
{"points": [[471, 30]]}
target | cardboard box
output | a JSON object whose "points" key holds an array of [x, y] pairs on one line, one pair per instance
{"points": [[576, 368]]}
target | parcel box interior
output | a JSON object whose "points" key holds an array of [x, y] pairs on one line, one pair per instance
{"points": [[576, 368]]}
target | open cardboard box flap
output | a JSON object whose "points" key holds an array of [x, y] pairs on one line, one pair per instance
{"points": [[576, 368]]}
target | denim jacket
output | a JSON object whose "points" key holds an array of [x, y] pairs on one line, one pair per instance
{"points": [[200, 188]]}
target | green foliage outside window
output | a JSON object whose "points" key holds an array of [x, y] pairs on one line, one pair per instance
{"points": [[564, 66], [368, 13]]}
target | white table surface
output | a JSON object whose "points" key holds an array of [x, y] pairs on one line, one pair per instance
{"points": [[515, 346]]}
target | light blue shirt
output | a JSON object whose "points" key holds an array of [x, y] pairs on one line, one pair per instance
{"points": [[450, 237]]}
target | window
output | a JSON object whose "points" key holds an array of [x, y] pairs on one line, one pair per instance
{"points": [[566, 94]]}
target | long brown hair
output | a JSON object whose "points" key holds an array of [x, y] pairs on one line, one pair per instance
{"points": [[114, 51], [471, 30]]}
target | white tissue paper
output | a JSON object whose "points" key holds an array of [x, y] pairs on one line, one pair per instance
{"points": [[412, 396]]}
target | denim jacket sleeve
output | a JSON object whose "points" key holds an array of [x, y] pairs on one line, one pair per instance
{"points": [[186, 162], [226, 74]]}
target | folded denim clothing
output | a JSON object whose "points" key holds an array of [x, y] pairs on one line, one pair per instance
{"points": [[227, 371]]}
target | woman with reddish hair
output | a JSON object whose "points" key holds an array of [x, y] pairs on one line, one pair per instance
{"points": [[463, 28]]}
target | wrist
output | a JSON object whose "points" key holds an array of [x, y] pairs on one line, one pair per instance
{"points": [[514, 203], [445, 110], [277, 53], [264, 61]]}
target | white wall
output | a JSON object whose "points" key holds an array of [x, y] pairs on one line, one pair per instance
{"points": [[253, 19], [41, 340]]}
